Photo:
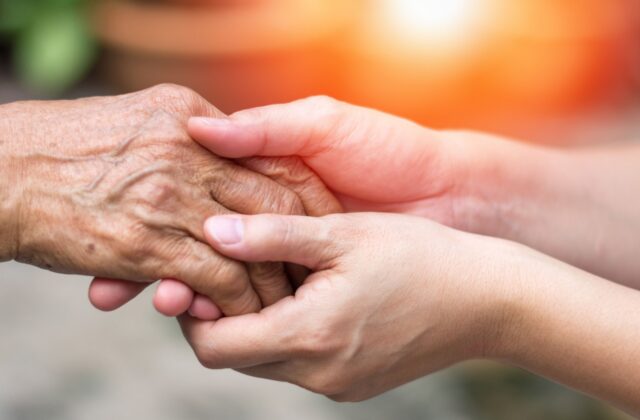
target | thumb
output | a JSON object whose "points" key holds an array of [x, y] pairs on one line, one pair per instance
{"points": [[298, 128], [300, 240]]}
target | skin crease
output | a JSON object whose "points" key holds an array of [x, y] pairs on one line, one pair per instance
{"points": [[470, 181], [441, 297], [290, 172], [115, 187], [331, 337]]}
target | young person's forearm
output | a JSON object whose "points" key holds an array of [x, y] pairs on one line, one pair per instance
{"points": [[582, 331], [580, 206], [9, 190]]}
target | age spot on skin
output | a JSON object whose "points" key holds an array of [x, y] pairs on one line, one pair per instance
{"points": [[91, 248]]}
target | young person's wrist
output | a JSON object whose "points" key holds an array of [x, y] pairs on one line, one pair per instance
{"points": [[501, 183]]}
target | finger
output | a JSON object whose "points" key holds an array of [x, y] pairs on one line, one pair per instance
{"points": [[295, 175], [337, 141], [243, 341], [225, 281], [247, 192], [200, 106], [110, 294], [204, 309], [298, 128], [300, 240], [251, 196], [172, 297], [270, 281], [244, 191]]}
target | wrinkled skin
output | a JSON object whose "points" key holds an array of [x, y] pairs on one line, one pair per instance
{"points": [[114, 187]]}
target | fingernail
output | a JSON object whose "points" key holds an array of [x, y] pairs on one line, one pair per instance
{"points": [[211, 122], [225, 230]]}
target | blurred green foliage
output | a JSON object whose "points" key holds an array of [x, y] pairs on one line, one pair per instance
{"points": [[51, 42]]}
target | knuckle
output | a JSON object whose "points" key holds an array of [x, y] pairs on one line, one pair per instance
{"points": [[173, 96], [206, 356], [137, 243], [289, 170], [281, 201], [278, 199], [169, 91], [325, 105], [296, 172], [283, 230], [328, 110], [159, 194], [230, 282], [203, 357], [343, 227], [268, 275], [290, 204], [326, 383]]}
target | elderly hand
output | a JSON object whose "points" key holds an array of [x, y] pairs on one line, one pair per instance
{"points": [[114, 187]]}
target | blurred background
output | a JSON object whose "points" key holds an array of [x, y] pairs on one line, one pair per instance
{"points": [[560, 72]]}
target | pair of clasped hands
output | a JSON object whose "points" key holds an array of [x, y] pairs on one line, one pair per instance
{"points": [[403, 258]]}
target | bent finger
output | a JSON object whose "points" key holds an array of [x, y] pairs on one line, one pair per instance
{"points": [[110, 294], [204, 309], [172, 297], [225, 281], [300, 240], [240, 342]]}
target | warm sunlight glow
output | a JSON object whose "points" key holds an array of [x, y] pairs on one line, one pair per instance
{"points": [[431, 20]]}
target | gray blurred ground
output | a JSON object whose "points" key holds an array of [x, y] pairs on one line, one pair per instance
{"points": [[62, 359]]}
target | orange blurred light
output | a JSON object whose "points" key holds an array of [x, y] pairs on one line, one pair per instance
{"points": [[431, 21]]}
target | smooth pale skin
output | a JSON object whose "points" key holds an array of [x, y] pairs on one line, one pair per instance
{"points": [[392, 298], [558, 321], [578, 205], [115, 187], [441, 296]]}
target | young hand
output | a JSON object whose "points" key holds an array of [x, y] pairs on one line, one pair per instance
{"points": [[391, 298], [579, 206]]}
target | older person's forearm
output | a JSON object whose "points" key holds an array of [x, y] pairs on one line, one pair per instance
{"points": [[10, 174], [579, 205]]}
